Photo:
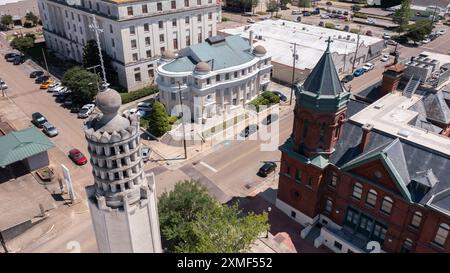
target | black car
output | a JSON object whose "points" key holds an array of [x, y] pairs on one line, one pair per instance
{"points": [[36, 73], [249, 130], [280, 95], [347, 78], [267, 168], [41, 79], [9, 55], [38, 119], [19, 59]]}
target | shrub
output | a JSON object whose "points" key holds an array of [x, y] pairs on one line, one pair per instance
{"points": [[22, 43], [330, 25], [135, 95], [354, 30], [225, 19], [158, 120], [266, 98], [360, 15], [172, 119]]}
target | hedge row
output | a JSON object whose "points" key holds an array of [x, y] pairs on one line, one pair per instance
{"points": [[135, 95]]}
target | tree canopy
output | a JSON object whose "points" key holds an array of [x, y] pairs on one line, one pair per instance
{"points": [[32, 18], [158, 120], [22, 43], [304, 3], [192, 221], [6, 20], [82, 83], [419, 30], [403, 15]]}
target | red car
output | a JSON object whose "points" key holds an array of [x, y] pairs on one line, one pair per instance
{"points": [[77, 157]]}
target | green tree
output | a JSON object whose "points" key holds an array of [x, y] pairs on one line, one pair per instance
{"points": [[304, 3], [192, 221], [32, 18], [6, 20], [223, 229], [403, 15], [272, 6], [179, 208], [158, 120], [82, 83], [22, 43], [271, 97], [419, 30]]}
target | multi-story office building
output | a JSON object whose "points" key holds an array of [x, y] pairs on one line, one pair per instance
{"points": [[135, 33], [222, 72]]}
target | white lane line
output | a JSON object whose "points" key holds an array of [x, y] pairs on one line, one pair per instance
{"points": [[208, 166]]}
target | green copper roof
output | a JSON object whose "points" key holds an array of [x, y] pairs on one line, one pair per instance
{"points": [[322, 89], [318, 161], [19, 145], [230, 51]]}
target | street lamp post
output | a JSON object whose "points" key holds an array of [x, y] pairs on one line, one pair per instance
{"points": [[269, 209], [294, 58], [182, 121]]}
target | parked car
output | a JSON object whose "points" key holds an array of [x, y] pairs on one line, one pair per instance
{"points": [[358, 72], [77, 157], [56, 89], [296, 12], [306, 13], [54, 84], [280, 95], [267, 168], [36, 73], [324, 16], [368, 66], [38, 119], [426, 41], [391, 42], [41, 79], [86, 110], [347, 78], [316, 11], [18, 59], [3, 85], [385, 58], [145, 153], [321, 24], [10, 57], [49, 129], [386, 37], [252, 128], [441, 32], [369, 33], [146, 106], [370, 21], [68, 102], [345, 13], [46, 84], [346, 28], [251, 21]]}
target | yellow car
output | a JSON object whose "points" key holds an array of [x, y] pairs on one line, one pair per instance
{"points": [[45, 84]]}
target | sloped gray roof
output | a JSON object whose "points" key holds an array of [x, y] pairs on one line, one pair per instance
{"points": [[436, 107], [426, 178], [324, 79], [421, 120]]}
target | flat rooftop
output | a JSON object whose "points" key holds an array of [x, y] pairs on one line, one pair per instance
{"points": [[390, 115], [278, 37]]}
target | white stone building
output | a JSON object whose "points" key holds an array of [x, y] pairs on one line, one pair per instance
{"points": [[220, 74], [122, 200], [135, 33]]}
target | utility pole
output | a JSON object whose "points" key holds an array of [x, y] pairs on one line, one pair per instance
{"points": [[294, 58], [45, 61], [94, 26], [182, 121], [95, 72], [1, 87], [356, 51]]}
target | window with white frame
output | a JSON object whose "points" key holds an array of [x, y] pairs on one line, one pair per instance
{"points": [[371, 198], [357, 191], [386, 205], [416, 219], [442, 234]]}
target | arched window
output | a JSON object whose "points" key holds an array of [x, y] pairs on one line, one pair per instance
{"points": [[416, 219], [357, 191], [386, 206], [407, 246], [371, 198], [442, 234], [328, 205]]}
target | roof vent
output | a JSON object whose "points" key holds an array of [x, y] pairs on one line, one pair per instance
{"points": [[378, 106], [404, 133], [215, 39]]}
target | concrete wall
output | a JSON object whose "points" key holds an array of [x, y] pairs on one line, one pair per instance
{"points": [[37, 161]]}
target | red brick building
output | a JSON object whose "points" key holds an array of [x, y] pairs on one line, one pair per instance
{"points": [[354, 186]]}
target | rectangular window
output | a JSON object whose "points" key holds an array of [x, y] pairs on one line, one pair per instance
{"points": [[173, 96], [147, 41], [144, 9], [217, 78], [110, 29], [186, 3], [236, 74], [146, 27], [173, 4], [162, 49], [337, 245], [227, 76], [357, 191], [174, 22], [137, 77], [151, 74], [161, 38], [133, 44], [298, 175], [135, 57], [293, 214], [328, 205], [130, 10], [200, 37], [159, 6], [132, 30], [199, 2], [148, 53], [175, 43], [208, 81], [333, 179], [113, 44], [209, 15], [73, 18], [161, 24], [288, 171], [186, 20], [199, 18], [188, 40]]}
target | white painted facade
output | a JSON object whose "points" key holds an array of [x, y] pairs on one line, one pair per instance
{"points": [[135, 33]]}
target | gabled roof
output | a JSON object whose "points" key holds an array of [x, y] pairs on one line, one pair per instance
{"points": [[324, 79], [426, 178], [436, 107], [19, 145], [392, 157]]}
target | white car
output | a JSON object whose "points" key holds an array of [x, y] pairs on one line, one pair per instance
{"points": [[134, 111], [370, 21], [385, 58], [441, 32], [426, 41], [86, 110], [3, 85], [386, 37], [368, 66], [53, 85], [59, 90], [324, 16], [251, 21], [146, 106]]}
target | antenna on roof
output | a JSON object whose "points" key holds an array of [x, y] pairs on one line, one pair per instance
{"points": [[94, 26]]}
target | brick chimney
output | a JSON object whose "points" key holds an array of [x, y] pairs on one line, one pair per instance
{"points": [[391, 78], [366, 128]]}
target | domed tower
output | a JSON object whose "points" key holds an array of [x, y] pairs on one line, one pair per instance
{"points": [[122, 200]]}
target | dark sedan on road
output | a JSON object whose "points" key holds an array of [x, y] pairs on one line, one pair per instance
{"points": [[77, 157], [267, 168], [41, 79], [347, 78], [36, 73], [38, 119]]}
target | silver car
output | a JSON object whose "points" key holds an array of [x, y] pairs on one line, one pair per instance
{"points": [[86, 110], [49, 129], [145, 153]]}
